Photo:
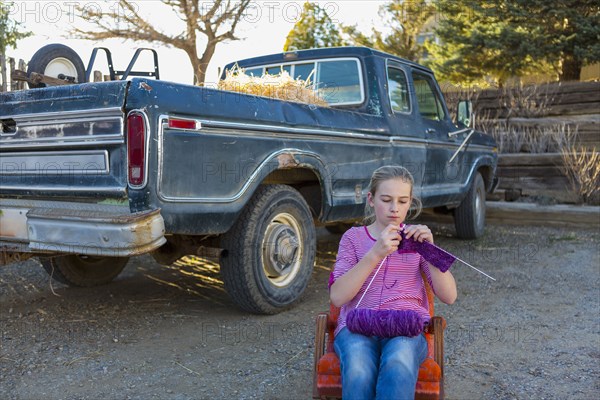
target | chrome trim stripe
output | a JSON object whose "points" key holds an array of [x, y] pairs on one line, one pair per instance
{"points": [[64, 188], [230, 199], [96, 112], [66, 159], [284, 129], [53, 143], [43, 120], [68, 121]]}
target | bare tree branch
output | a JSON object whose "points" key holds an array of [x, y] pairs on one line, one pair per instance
{"points": [[199, 18]]}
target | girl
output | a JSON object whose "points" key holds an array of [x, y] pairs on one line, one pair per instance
{"points": [[374, 366]]}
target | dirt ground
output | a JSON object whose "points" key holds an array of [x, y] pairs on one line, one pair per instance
{"points": [[172, 333]]}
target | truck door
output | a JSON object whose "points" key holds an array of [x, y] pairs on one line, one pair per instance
{"points": [[408, 140], [441, 180]]}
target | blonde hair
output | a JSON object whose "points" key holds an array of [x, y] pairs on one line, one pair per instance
{"points": [[391, 172]]}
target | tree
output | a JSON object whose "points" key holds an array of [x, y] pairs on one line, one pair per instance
{"points": [[509, 38], [9, 30], [314, 29], [216, 21], [406, 20], [566, 34]]}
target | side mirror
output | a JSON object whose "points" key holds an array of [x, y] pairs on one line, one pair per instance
{"points": [[464, 113]]}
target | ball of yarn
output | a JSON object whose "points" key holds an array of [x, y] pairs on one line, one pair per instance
{"points": [[385, 323]]}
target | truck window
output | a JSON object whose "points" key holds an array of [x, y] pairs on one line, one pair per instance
{"points": [[303, 71], [339, 82], [430, 104], [398, 90], [254, 71], [277, 69]]}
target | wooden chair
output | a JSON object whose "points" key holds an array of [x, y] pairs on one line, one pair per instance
{"points": [[327, 380]]}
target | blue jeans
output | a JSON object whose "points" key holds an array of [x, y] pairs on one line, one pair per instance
{"points": [[381, 368]]}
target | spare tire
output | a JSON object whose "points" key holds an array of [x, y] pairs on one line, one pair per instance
{"points": [[57, 61]]}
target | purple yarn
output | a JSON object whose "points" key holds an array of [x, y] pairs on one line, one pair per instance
{"points": [[437, 257], [385, 323]]}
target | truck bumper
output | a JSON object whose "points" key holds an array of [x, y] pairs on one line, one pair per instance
{"points": [[97, 232]]}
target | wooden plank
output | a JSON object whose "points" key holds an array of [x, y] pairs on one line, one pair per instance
{"points": [[532, 183], [23, 67], [3, 75], [524, 159], [35, 78], [518, 213], [547, 172], [535, 214], [11, 62]]}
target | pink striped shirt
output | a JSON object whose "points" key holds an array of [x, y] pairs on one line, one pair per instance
{"points": [[398, 285]]}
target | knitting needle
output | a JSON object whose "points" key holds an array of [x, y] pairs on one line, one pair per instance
{"points": [[469, 265], [464, 262]]}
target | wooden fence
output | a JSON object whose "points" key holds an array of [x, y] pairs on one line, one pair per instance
{"points": [[576, 104], [7, 66]]}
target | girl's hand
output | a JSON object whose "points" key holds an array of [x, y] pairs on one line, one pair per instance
{"points": [[388, 241], [419, 233]]}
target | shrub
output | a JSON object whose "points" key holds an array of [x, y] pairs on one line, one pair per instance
{"points": [[582, 168]]}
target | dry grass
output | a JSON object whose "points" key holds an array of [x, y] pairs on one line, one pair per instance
{"points": [[280, 86], [514, 138], [582, 168], [529, 101]]}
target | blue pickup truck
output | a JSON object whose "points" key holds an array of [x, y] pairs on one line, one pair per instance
{"points": [[94, 173]]}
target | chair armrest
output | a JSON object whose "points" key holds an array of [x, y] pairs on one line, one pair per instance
{"points": [[321, 326], [439, 324]]}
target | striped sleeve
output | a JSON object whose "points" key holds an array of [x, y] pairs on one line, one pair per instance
{"points": [[346, 256], [424, 266]]}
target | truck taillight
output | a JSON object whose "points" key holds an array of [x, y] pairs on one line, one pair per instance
{"points": [[136, 148]]}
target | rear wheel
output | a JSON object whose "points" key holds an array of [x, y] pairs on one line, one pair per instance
{"points": [[469, 216], [84, 271], [268, 254], [57, 61]]}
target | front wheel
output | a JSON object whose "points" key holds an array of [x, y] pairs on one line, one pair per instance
{"points": [[84, 271], [269, 253], [469, 216]]}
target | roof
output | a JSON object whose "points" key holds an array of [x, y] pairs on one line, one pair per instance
{"points": [[293, 56]]}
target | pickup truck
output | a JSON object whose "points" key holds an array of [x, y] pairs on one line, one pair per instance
{"points": [[95, 173]]}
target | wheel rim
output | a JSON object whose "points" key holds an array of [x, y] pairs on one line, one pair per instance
{"points": [[60, 65], [479, 208], [282, 249]]}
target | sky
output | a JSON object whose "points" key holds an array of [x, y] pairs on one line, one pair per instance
{"points": [[263, 30]]}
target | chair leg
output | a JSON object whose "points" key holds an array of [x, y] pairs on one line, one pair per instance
{"points": [[438, 342], [321, 326]]}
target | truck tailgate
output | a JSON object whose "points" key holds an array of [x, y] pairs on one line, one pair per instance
{"points": [[63, 174], [60, 140]]}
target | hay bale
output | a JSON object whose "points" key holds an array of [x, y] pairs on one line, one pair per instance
{"points": [[281, 86]]}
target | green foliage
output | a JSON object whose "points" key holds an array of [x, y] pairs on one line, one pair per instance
{"points": [[406, 20], [9, 30], [509, 38], [314, 29]]}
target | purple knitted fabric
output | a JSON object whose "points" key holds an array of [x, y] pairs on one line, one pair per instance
{"points": [[437, 257], [385, 323]]}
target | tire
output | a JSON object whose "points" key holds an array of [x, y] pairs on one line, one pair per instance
{"points": [[469, 216], [84, 271], [56, 59], [269, 253]]}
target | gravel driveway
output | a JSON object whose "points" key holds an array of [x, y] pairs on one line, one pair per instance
{"points": [[172, 333]]}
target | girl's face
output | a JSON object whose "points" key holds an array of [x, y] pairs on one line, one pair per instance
{"points": [[391, 201]]}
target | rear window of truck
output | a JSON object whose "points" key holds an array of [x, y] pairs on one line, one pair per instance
{"points": [[338, 81]]}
